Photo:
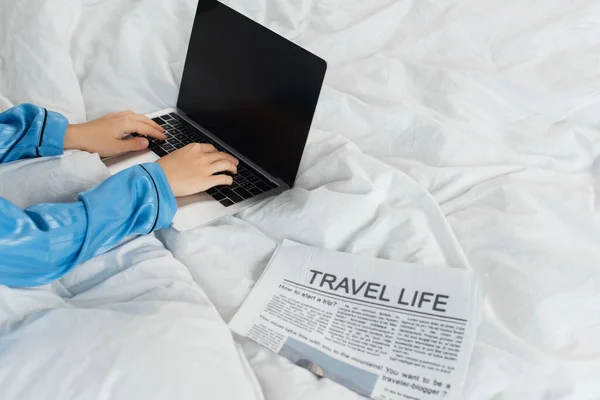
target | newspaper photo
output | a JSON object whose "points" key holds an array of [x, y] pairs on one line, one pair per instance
{"points": [[387, 330]]}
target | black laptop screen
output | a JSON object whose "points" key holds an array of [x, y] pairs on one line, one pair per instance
{"points": [[250, 87]]}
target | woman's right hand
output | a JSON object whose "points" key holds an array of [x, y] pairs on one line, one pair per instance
{"points": [[190, 169]]}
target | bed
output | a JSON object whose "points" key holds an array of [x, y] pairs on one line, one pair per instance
{"points": [[456, 133]]}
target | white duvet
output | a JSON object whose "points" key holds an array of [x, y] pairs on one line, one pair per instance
{"points": [[451, 133]]}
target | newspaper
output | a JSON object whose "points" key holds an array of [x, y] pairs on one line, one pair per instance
{"points": [[387, 330]]}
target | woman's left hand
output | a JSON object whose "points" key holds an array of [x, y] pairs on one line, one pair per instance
{"points": [[105, 135]]}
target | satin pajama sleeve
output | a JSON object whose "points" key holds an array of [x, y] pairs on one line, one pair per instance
{"points": [[42, 243]]}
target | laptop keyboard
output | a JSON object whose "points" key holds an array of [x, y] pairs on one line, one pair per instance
{"points": [[246, 184]]}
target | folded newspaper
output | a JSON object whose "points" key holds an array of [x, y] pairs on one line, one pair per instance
{"points": [[387, 330]]}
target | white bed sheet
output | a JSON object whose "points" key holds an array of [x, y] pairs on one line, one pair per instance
{"points": [[455, 133], [129, 324]]}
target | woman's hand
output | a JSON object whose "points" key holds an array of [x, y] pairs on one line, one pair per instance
{"points": [[105, 135], [190, 169]]}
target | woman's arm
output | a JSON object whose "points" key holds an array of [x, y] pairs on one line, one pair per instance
{"points": [[44, 242], [28, 131]]}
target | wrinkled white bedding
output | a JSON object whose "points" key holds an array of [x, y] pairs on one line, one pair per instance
{"points": [[457, 133]]}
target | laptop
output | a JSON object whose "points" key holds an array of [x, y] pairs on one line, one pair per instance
{"points": [[249, 92]]}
